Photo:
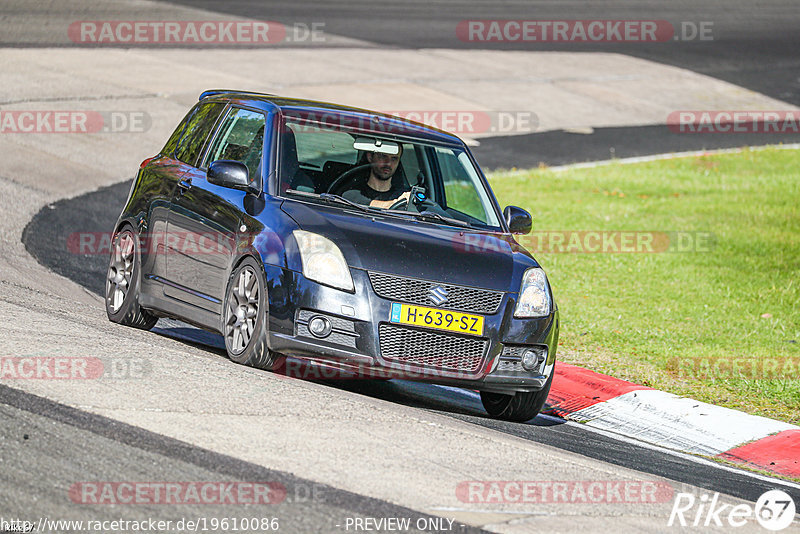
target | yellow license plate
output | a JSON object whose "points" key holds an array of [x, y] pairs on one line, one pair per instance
{"points": [[451, 321]]}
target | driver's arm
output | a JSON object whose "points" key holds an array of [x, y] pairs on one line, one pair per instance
{"points": [[388, 203]]}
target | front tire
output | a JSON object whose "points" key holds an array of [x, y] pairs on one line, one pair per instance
{"points": [[123, 281], [517, 408], [244, 318]]}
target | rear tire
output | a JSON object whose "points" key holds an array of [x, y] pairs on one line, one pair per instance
{"points": [[244, 318], [123, 280], [518, 408]]}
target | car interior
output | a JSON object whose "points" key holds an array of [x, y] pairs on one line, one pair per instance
{"points": [[331, 163]]}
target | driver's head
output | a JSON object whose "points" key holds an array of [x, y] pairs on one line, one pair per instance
{"points": [[383, 166]]}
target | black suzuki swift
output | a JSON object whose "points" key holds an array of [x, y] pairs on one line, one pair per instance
{"points": [[339, 235]]}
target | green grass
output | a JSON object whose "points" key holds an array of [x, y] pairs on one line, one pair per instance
{"points": [[646, 317]]}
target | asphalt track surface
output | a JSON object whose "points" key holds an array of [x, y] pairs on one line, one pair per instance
{"points": [[558, 147], [110, 448], [100, 209], [754, 45]]}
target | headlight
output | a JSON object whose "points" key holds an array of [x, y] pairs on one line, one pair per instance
{"points": [[534, 295], [323, 261]]}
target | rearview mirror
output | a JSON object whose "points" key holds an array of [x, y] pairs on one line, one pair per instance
{"points": [[366, 144], [232, 174], [519, 221]]}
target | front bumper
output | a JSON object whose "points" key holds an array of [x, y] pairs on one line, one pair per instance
{"points": [[359, 341]]}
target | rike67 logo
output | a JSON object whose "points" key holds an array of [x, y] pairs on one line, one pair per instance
{"points": [[774, 510]]}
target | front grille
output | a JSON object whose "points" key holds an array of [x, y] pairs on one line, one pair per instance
{"points": [[421, 348], [461, 298]]}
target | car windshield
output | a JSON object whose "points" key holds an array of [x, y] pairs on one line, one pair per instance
{"points": [[436, 183]]}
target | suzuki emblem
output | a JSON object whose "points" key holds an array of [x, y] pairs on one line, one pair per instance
{"points": [[438, 295]]}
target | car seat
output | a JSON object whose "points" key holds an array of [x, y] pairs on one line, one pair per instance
{"points": [[291, 175]]}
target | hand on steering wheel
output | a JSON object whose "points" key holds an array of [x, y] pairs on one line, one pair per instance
{"points": [[391, 204], [400, 203], [418, 206]]}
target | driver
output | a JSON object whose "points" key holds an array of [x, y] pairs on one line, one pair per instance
{"points": [[380, 190]]}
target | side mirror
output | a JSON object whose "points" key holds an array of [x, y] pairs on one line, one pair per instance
{"points": [[518, 220], [233, 174]]}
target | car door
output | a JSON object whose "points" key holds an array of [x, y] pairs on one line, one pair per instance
{"points": [[159, 178], [187, 152], [204, 218]]}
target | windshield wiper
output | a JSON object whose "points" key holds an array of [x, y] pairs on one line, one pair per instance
{"points": [[330, 197], [433, 216]]}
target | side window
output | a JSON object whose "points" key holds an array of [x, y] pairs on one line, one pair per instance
{"points": [[197, 130], [458, 188], [240, 138]]}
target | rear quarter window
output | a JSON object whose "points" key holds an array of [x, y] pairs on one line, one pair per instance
{"points": [[172, 142], [197, 130]]}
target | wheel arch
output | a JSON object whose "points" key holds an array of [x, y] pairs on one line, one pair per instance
{"points": [[235, 264], [122, 223]]}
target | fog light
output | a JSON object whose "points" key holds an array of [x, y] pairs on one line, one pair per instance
{"points": [[319, 326], [532, 359]]}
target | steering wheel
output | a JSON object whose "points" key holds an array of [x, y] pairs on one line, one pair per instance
{"points": [[402, 202], [419, 207], [347, 175]]}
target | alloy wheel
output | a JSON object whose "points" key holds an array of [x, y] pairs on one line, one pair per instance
{"points": [[242, 313], [120, 271]]}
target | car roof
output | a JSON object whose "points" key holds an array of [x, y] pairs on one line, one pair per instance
{"points": [[362, 119]]}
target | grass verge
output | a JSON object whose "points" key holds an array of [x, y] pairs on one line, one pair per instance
{"points": [[711, 310]]}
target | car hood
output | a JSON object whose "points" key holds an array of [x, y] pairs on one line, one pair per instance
{"points": [[417, 249]]}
